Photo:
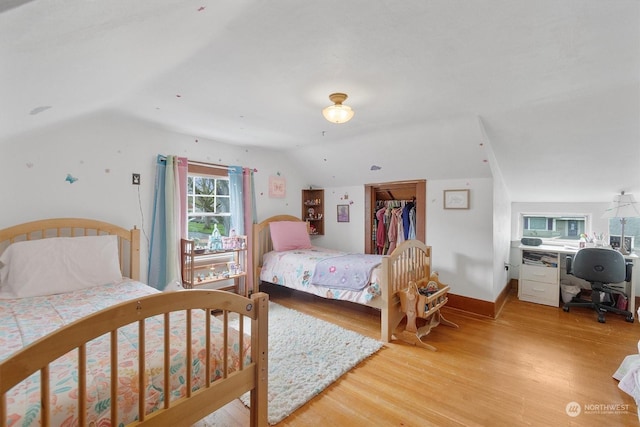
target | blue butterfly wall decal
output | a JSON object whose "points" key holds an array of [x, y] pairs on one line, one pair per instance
{"points": [[70, 179]]}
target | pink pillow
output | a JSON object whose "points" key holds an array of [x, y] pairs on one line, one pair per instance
{"points": [[289, 235]]}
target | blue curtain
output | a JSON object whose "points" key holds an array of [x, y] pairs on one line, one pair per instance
{"points": [[164, 256], [243, 210], [236, 194]]}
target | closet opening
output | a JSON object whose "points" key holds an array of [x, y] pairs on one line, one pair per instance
{"points": [[387, 204]]}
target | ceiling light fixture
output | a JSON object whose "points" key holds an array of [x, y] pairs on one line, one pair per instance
{"points": [[338, 113]]}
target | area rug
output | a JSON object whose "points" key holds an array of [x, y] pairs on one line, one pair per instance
{"points": [[306, 355]]}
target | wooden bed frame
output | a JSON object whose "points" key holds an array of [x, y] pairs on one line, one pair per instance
{"points": [[410, 261], [184, 411]]}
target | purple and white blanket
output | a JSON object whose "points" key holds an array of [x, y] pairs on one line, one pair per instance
{"points": [[352, 271]]}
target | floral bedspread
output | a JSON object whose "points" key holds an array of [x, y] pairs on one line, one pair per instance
{"points": [[295, 269], [25, 320]]}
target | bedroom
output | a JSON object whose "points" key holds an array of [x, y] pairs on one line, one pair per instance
{"points": [[76, 101]]}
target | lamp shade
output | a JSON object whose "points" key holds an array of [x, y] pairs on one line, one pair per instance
{"points": [[338, 112], [623, 206]]}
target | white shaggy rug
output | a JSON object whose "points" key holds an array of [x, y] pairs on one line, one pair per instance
{"points": [[306, 355]]}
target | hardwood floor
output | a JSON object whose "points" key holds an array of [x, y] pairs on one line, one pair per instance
{"points": [[523, 368]]}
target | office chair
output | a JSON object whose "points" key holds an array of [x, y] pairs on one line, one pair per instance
{"points": [[600, 267]]}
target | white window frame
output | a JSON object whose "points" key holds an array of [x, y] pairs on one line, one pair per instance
{"points": [[555, 241], [210, 172]]}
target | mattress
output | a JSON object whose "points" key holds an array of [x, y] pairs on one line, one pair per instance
{"points": [[25, 320], [294, 269]]}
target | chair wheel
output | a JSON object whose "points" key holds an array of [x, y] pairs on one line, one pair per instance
{"points": [[601, 318], [565, 308], [629, 318]]}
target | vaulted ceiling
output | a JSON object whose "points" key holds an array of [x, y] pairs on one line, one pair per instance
{"points": [[546, 93]]}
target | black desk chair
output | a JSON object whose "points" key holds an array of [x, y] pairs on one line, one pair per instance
{"points": [[600, 267]]}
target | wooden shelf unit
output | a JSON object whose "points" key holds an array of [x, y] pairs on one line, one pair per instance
{"points": [[313, 210], [227, 267]]}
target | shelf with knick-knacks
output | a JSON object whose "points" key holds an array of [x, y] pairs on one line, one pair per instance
{"points": [[218, 265], [313, 210]]}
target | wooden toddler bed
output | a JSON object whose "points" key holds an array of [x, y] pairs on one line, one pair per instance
{"points": [[74, 357], [410, 261]]}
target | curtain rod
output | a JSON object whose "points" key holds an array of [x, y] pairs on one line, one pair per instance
{"points": [[192, 162], [213, 165]]}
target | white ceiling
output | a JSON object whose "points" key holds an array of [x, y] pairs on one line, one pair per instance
{"points": [[544, 92]]}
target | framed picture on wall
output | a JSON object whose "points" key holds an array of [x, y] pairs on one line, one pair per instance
{"points": [[456, 199], [277, 186], [343, 213]]}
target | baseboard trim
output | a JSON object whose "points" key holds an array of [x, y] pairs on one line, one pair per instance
{"points": [[481, 307], [492, 309]]}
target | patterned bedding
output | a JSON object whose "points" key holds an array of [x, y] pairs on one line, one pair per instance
{"points": [[351, 271], [295, 269], [628, 375], [25, 320]]}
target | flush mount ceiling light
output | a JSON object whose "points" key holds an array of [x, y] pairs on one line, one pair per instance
{"points": [[338, 113]]}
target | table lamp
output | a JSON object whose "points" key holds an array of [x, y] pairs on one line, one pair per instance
{"points": [[623, 206]]}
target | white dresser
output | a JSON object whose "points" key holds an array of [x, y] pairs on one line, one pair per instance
{"points": [[539, 277]]}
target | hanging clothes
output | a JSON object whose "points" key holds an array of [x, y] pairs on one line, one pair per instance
{"points": [[401, 232], [381, 231], [393, 230], [412, 223], [406, 220]]}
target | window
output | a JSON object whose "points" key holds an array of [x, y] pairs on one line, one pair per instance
{"points": [[554, 227], [208, 202]]}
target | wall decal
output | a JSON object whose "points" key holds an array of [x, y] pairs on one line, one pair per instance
{"points": [[375, 168], [70, 179], [39, 110]]}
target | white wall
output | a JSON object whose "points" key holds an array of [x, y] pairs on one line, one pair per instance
{"points": [[346, 236], [501, 235], [102, 151], [462, 240]]}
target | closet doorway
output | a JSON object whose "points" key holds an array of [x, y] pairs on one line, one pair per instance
{"points": [[394, 193]]}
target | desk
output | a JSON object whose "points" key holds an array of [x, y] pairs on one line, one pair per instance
{"points": [[541, 283]]}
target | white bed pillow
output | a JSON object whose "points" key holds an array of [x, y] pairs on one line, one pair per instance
{"points": [[289, 235], [60, 264]]}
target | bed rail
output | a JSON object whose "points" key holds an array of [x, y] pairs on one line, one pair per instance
{"points": [[188, 409]]}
